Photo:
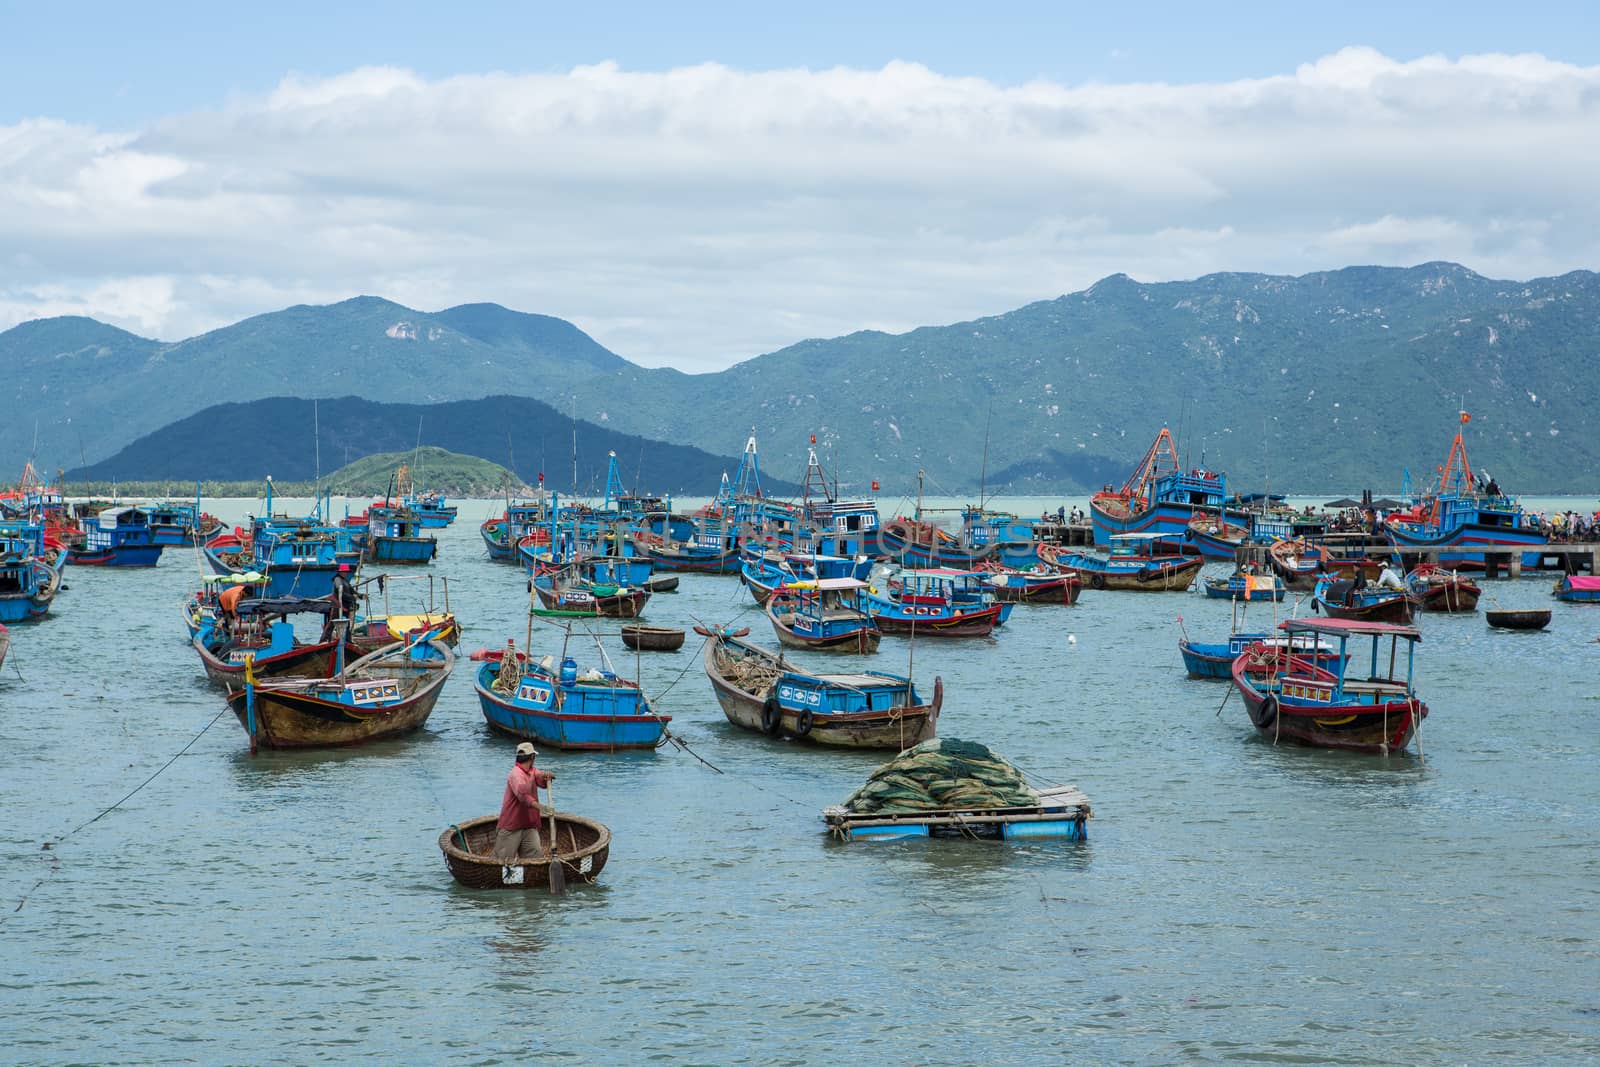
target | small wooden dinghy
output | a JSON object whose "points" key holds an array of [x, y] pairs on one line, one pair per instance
{"points": [[1528, 619], [652, 638], [583, 846]]}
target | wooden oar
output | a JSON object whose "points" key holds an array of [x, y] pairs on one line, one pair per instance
{"points": [[558, 873]]}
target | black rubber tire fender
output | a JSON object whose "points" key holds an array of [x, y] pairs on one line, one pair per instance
{"points": [[803, 723], [1097, 580], [1266, 714], [771, 717]]}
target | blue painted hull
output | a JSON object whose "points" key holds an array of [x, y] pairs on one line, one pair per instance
{"points": [[567, 731], [1170, 520], [1466, 536], [116, 556], [402, 550], [1234, 590]]}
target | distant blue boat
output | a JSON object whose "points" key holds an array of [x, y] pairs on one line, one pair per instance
{"points": [[118, 537], [1242, 586], [432, 511], [394, 536], [594, 710], [1578, 589]]}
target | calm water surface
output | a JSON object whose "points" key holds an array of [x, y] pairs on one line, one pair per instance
{"points": [[1235, 901]]}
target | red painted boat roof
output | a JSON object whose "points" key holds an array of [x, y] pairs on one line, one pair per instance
{"points": [[1350, 628]]}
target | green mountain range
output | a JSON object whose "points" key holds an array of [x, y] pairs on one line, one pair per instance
{"points": [[1334, 380]]}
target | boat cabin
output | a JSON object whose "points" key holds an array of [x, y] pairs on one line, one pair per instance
{"points": [[1354, 679]]}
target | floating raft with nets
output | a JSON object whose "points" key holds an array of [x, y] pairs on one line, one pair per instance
{"points": [[950, 788]]}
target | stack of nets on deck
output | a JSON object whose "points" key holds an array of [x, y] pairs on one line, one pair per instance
{"points": [[942, 773]]}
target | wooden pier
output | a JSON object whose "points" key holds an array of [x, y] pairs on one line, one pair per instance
{"points": [[1506, 561]]}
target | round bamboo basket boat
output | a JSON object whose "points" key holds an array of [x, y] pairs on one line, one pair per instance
{"points": [[582, 844], [652, 638], [1529, 619]]}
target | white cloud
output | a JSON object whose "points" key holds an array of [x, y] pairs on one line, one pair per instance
{"points": [[705, 214]]}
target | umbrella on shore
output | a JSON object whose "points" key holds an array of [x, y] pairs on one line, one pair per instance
{"points": [[1343, 502], [1385, 504]]}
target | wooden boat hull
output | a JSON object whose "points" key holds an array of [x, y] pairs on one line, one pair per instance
{"points": [[1168, 578], [863, 640], [579, 733], [1376, 729], [627, 604], [1455, 595], [851, 635], [1536, 619], [1056, 589], [412, 551], [291, 719], [1396, 609], [116, 556], [308, 661], [582, 845], [895, 729], [1223, 589], [652, 638], [724, 561], [980, 623], [501, 548]]}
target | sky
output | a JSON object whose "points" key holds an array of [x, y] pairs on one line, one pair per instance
{"points": [[697, 184]]}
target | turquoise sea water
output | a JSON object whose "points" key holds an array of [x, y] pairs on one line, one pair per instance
{"points": [[1234, 901]]}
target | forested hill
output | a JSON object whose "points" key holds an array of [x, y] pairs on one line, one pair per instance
{"points": [[240, 442]]}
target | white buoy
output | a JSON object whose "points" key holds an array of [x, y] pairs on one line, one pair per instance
{"points": [[1072, 639]]}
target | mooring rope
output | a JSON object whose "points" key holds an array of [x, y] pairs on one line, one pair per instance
{"points": [[50, 846]]}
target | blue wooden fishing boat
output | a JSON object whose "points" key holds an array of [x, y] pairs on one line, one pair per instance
{"points": [[394, 536], [1361, 703], [1464, 512], [758, 690], [1241, 585], [562, 708], [1345, 598], [29, 580], [432, 510], [1214, 660], [1135, 561], [1160, 497], [935, 603], [986, 535], [564, 592], [1042, 583], [118, 537], [263, 633], [1215, 538], [519, 520], [1578, 589], [825, 614]]}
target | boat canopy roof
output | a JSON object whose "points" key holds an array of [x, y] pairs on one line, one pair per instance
{"points": [[826, 584], [937, 572], [285, 605], [1350, 628], [1583, 581], [1142, 537], [111, 517]]}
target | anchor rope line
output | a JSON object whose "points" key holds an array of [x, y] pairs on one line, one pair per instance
{"points": [[49, 845]]}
